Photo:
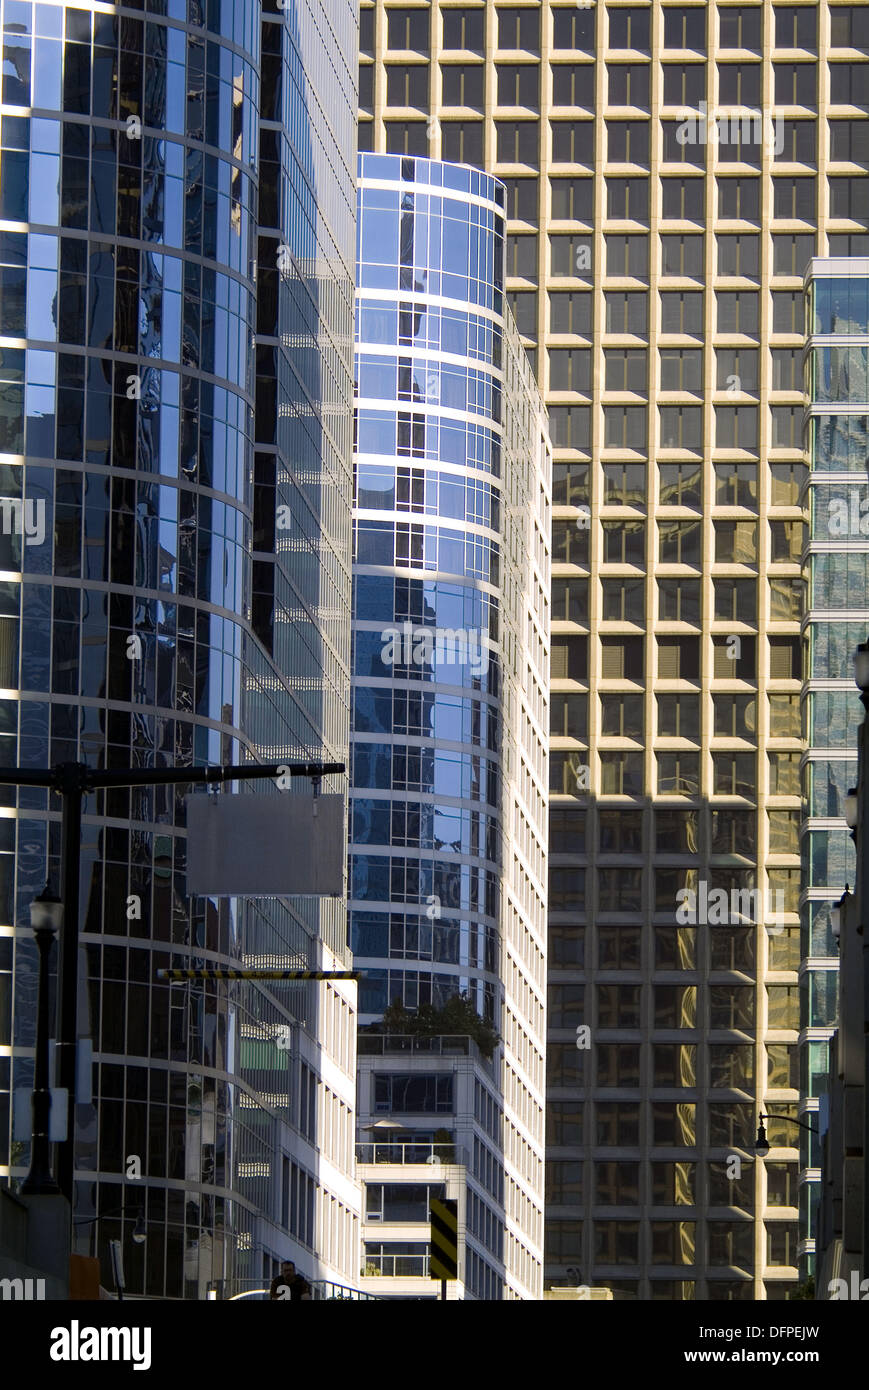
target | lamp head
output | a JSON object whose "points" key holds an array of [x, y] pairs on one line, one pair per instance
{"points": [[861, 667], [139, 1232], [761, 1143], [851, 808], [46, 911]]}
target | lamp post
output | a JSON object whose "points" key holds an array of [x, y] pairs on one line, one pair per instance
{"points": [[46, 918], [861, 678], [73, 782], [139, 1235]]}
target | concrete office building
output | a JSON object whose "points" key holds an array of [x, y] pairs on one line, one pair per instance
{"points": [[448, 796], [837, 620], [670, 171], [177, 214]]}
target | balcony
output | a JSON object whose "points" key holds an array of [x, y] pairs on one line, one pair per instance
{"points": [[400, 1151], [405, 1265]]}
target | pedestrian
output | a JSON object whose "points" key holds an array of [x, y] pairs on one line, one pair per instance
{"points": [[282, 1284], [289, 1285]]}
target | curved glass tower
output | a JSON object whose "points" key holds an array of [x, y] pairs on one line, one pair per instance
{"points": [[449, 706], [837, 569], [176, 237]]}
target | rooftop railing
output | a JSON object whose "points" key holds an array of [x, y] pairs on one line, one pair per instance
{"points": [[242, 1290], [443, 1045]]}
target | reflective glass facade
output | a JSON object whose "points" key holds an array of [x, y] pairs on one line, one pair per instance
{"points": [[176, 241], [837, 570], [450, 648], [655, 258]]}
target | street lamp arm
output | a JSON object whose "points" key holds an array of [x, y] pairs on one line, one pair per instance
{"points": [[112, 1211], [241, 772], [80, 777], [792, 1121]]}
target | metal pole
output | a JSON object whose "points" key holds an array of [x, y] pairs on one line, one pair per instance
{"points": [[862, 896], [40, 1181], [443, 1290], [73, 790]]}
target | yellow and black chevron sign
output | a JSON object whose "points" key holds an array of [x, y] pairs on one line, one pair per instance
{"points": [[444, 1218]]}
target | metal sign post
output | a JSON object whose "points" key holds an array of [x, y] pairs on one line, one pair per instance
{"points": [[444, 1257]]}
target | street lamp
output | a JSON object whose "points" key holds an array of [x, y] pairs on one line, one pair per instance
{"points": [[139, 1233], [761, 1143], [861, 671], [837, 911], [46, 919]]}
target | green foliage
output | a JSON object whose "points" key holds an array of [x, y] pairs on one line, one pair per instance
{"points": [[806, 1290], [458, 1016], [444, 1147]]}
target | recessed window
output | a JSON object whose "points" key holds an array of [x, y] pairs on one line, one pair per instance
{"points": [[736, 369], [407, 30], [519, 28], [463, 29], [626, 312], [739, 255], [736, 427], [736, 485], [739, 199], [628, 142], [407, 86], [628, 84], [463, 85], [626, 369], [623, 600], [679, 601], [684, 84], [571, 87], [739, 84], [796, 84], [629, 28], [737, 312], [849, 27], [682, 255], [796, 142], [681, 369], [621, 717], [680, 484], [740, 27], [573, 201], [681, 427], [678, 717], [517, 142], [685, 28], [796, 26], [681, 312], [570, 312], [572, 142], [518, 85], [627, 199], [573, 29], [682, 200]]}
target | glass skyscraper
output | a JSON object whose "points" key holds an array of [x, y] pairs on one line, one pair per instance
{"points": [[671, 168], [177, 217], [837, 618], [448, 795]]}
